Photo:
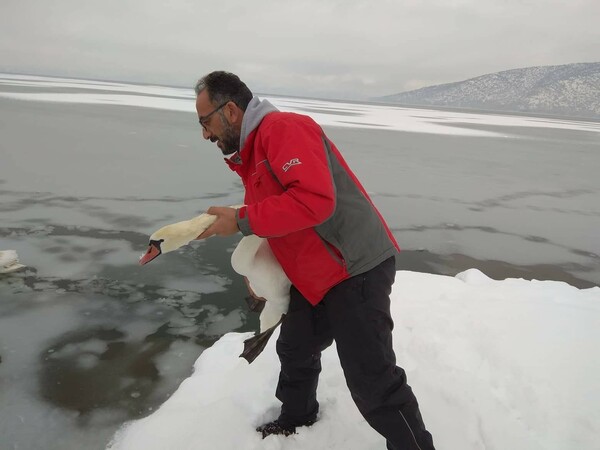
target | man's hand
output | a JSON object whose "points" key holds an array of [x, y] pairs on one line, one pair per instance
{"points": [[225, 225]]}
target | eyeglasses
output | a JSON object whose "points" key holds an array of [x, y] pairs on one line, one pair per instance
{"points": [[204, 119]]}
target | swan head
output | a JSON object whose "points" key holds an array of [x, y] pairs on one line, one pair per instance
{"points": [[169, 238]]}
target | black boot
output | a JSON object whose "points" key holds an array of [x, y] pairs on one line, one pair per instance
{"points": [[277, 427]]}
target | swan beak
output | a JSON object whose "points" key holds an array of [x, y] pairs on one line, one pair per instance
{"points": [[153, 251]]}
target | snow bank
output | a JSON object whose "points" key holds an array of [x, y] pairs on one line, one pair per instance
{"points": [[498, 365]]}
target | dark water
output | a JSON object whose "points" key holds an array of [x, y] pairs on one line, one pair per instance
{"points": [[89, 339]]}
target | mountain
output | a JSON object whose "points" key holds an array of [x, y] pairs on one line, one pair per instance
{"points": [[567, 90]]}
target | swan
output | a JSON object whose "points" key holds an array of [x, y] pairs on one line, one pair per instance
{"points": [[9, 261], [252, 258]]}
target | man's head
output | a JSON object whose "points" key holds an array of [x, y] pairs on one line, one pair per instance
{"points": [[221, 100]]}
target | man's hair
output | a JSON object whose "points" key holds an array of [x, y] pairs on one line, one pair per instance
{"points": [[223, 87]]}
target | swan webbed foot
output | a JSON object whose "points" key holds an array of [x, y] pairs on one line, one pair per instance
{"points": [[254, 304], [256, 344]]}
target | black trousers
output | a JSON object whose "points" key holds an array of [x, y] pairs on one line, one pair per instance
{"points": [[356, 314]]}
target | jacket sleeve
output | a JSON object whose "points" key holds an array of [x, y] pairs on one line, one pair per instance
{"points": [[298, 158]]}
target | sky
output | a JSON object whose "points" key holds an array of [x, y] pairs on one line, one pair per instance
{"points": [[350, 49]]}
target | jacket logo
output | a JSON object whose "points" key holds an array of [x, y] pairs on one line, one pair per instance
{"points": [[293, 162]]}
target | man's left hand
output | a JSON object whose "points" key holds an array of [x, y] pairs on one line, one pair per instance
{"points": [[225, 225]]}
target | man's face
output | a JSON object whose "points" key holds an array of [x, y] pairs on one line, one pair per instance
{"points": [[215, 124]]}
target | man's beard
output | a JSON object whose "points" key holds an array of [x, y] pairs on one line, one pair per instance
{"points": [[230, 139]]}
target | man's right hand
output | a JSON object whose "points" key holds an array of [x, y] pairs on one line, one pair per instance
{"points": [[225, 225]]}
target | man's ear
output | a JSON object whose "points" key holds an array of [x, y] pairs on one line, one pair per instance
{"points": [[235, 114]]}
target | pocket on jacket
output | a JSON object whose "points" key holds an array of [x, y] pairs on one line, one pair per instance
{"points": [[257, 177], [264, 181]]}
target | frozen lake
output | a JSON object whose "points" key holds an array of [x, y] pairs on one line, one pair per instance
{"points": [[88, 339]]}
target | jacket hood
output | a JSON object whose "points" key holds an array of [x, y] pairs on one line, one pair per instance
{"points": [[255, 112]]}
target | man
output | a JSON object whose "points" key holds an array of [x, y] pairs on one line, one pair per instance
{"points": [[335, 248]]}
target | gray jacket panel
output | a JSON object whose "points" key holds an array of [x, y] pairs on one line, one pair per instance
{"points": [[355, 228]]}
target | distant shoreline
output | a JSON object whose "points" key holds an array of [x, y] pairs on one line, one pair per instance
{"points": [[371, 102]]}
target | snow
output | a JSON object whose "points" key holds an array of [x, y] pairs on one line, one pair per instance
{"points": [[326, 113], [498, 365]]}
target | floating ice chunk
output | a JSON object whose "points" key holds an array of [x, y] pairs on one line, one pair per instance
{"points": [[9, 261]]}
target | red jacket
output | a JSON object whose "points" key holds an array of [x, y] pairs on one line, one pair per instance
{"points": [[302, 196]]}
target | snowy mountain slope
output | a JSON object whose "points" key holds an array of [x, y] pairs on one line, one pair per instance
{"points": [[571, 90]]}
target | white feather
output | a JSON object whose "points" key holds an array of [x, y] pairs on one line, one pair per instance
{"points": [[254, 259]]}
